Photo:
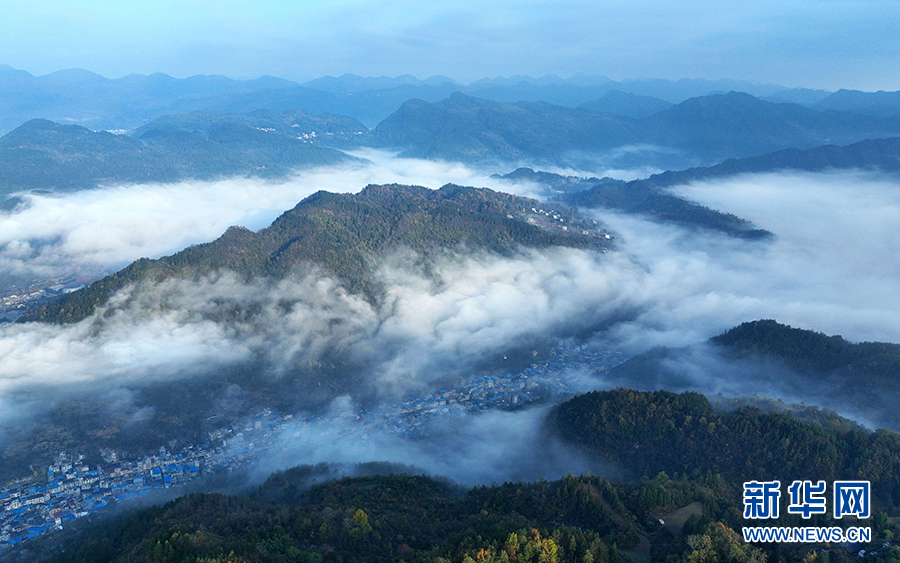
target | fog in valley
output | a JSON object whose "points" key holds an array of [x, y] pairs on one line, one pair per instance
{"points": [[830, 268]]}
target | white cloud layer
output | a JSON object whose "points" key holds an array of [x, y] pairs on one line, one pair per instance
{"points": [[95, 231], [832, 268]]}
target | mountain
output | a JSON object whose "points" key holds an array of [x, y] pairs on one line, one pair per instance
{"points": [[660, 431], [870, 103], [634, 197], [859, 379], [474, 130], [44, 155], [354, 84], [616, 102], [553, 185], [369, 106], [581, 88], [647, 199], [737, 125], [41, 154], [326, 130], [378, 518], [881, 155], [80, 97], [803, 96], [677, 91], [384, 513], [344, 234], [341, 260], [710, 128]]}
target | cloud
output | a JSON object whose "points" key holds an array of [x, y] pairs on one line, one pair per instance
{"points": [[471, 449], [831, 268], [95, 231], [470, 306]]}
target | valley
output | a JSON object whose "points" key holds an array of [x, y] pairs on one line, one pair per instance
{"points": [[508, 320]]}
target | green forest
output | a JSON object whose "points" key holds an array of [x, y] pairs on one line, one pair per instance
{"points": [[863, 377], [682, 502]]}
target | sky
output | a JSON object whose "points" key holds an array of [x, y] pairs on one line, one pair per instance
{"points": [[828, 44]]}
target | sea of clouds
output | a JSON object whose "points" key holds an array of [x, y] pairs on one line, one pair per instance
{"points": [[830, 268]]}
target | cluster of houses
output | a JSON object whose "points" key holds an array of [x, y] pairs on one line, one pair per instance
{"points": [[20, 299], [554, 221], [501, 390], [71, 489]]}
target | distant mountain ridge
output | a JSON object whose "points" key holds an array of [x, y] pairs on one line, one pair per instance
{"points": [[872, 103], [882, 155], [44, 155], [84, 98], [81, 97], [617, 102], [709, 129]]}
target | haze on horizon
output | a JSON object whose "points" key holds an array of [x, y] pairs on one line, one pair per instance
{"points": [[828, 45]]}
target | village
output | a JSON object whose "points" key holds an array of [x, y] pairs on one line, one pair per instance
{"points": [[18, 300], [69, 489]]}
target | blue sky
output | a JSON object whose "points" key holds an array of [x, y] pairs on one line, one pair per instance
{"points": [[820, 43]]}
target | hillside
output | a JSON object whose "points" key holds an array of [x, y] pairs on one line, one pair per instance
{"points": [[686, 508], [616, 102], [344, 234], [860, 378], [328, 130], [706, 129], [370, 518], [44, 155], [646, 199], [881, 155], [476, 130], [737, 125], [652, 432], [634, 197]]}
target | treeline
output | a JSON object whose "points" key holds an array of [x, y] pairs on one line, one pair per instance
{"points": [[382, 518], [776, 359], [642, 197], [653, 432], [869, 363], [406, 518]]}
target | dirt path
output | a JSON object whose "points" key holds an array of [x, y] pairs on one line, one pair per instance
{"points": [[640, 552]]}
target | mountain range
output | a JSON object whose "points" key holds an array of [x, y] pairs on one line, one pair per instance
{"points": [[84, 98], [706, 129], [747, 133], [45, 155], [347, 301]]}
